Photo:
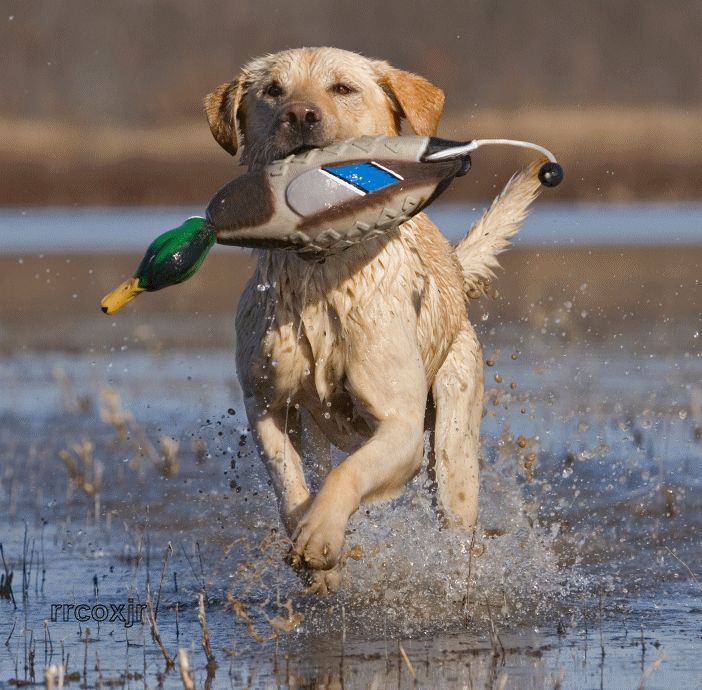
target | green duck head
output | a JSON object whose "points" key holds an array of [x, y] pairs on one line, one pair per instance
{"points": [[171, 258]]}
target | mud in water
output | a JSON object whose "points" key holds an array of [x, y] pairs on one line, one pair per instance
{"points": [[128, 474]]}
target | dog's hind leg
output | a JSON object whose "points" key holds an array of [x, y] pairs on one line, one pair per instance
{"points": [[277, 436], [316, 449], [458, 397]]}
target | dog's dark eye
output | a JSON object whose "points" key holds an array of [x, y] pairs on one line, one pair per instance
{"points": [[274, 90], [342, 89]]}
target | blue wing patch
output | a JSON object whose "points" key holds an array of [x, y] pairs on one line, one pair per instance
{"points": [[367, 177]]}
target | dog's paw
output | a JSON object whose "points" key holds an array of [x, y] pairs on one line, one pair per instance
{"points": [[318, 539], [324, 581], [321, 582]]}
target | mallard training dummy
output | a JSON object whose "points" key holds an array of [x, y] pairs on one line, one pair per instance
{"points": [[316, 203]]}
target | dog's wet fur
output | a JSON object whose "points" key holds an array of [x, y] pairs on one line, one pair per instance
{"points": [[364, 350]]}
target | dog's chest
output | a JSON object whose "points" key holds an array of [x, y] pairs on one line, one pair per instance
{"points": [[308, 339], [318, 316]]}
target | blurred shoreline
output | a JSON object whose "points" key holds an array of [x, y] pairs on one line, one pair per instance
{"points": [[609, 154], [566, 294]]}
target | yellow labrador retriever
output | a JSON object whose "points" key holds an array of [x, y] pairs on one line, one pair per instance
{"points": [[358, 350]]}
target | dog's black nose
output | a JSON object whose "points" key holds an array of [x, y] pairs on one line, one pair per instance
{"points": [[301, 115]]}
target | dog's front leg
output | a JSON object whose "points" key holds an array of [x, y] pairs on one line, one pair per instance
{"points": [[274, 431], [386, 462]]}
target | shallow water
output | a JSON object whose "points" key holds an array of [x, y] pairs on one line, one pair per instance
{"points": [[583, 566], [131, 229], [585, 570]]}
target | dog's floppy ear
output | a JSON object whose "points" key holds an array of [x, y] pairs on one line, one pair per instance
{"points": [[222, 107], [416, 99]]}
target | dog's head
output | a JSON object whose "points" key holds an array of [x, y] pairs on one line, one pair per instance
{"points": [[310, 97]]}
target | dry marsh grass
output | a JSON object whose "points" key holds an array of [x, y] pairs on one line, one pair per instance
{"points": [[610, 153], [604, 132]]}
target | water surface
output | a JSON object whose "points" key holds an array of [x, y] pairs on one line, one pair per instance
{"points": [[131, 229], [589, 545], [585, 567]]}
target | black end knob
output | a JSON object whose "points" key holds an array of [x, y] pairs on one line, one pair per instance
{"points": [[551, 174]]}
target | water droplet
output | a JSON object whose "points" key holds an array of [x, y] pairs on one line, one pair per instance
{"points": [[682, 414], [567, 471], [262, 287], [327, 415]]}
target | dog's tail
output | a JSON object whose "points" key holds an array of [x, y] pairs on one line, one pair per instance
{"points": [[490, 235]]}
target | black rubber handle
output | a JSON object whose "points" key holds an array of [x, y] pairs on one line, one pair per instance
{"points": [[551, 174]]}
